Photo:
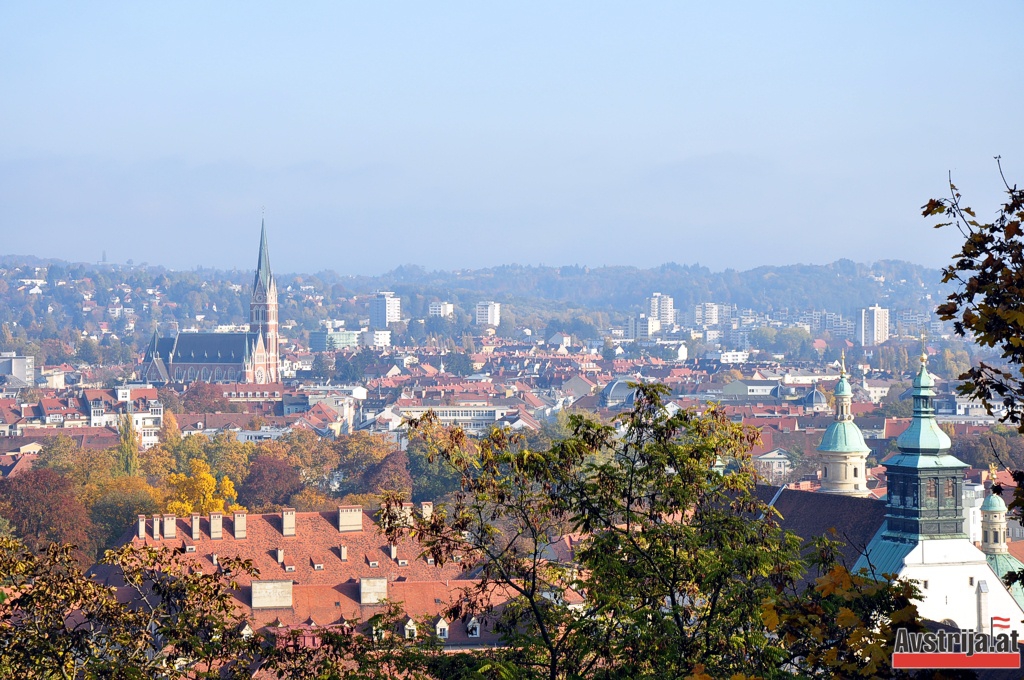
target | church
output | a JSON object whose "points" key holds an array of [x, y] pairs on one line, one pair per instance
{"points": [[249, 357], [918, 531]]}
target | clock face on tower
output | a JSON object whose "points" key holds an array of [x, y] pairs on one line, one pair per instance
{"points": [[259, 375], [260, 297]]}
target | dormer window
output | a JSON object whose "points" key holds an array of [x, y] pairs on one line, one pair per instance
{"points": [[473, 628], [374, 564], [410, 630], [441, 629]]}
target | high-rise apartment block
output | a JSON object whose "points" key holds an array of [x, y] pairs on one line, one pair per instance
{"points": [[873, 326], [662, 308], [706, 314], [488, 313], [442, 309], [385, 309], [642, 327]]}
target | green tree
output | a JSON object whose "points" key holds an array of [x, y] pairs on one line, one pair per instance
{"points": [[58, 622], [127, 446], [988, 303]]}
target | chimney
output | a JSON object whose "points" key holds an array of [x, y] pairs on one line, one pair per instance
{"points": [[195, 527], [407, 513], [170, 526], [216, 525], [142, 527], [342, 551], [156, 527], [426, 509], [214, 558], [393, 549], [350, 518], [288, 521], [280, 555], [239, 525]]}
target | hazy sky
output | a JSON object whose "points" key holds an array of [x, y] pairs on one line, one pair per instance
{"points": [[471, 134]]}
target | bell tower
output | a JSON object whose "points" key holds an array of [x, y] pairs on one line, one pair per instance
{"points": [[263, 314]]}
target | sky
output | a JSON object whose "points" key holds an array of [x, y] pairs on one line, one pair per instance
{"points": [[466, 135]]}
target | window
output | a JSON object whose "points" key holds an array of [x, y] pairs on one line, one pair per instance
{"points": [[473, 628], [410, 631], [824, 472], [442, 631], [933, 488], [403, 563], [970, 581], [856, 472], [984, 536], [924, 584], [374, 565]]}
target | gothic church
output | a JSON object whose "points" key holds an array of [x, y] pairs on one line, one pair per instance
{"points": [[250, 357]]}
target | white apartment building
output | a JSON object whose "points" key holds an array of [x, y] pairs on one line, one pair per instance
{"points": [[441, 309], [642, 327], [873, 326], [385, 309], [662, 308], [488, 313], [375, 338]]}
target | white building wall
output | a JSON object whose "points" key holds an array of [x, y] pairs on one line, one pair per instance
{"points": [[953, 569]]}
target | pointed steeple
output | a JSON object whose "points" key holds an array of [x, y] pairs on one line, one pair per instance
{"points": [[263, 275]]}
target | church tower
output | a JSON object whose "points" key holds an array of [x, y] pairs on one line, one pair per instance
{"points": [[843, 451], [263, 315], [925, 482]]}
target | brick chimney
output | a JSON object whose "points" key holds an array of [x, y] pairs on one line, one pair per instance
{"points": [[350, 518], [288, 521], [195, 526], [156, 527], [239, 525], [142, 527], [170, 526], [216, 525]]}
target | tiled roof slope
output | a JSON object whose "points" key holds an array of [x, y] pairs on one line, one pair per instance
{"points": [[316, 541]]}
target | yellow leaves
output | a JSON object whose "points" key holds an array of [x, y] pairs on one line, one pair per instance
{"points": [[769, 615], [847, 618], [699, 674], [199, 491], [837, 580]]}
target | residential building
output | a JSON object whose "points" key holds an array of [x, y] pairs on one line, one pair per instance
{"points": [[662, 308], [375, 338], [873, 326], [22, 368], [488, 313], [442, 309], [642, 327], [385, 309]]}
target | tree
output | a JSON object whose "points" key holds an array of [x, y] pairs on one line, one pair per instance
{"points": [[119, 505], [322, 365], [127, 446], [42, 508], [269, 485], [988, 303], [199, 491], [357, 453], [390, 475], [203, 397], [58, 622]]}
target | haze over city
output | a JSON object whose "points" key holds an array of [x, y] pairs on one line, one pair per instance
{"points": [[463, 135]]}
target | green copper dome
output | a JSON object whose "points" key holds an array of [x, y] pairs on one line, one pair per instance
{"points": [[993, 504], [843, 436], [843, 388]]}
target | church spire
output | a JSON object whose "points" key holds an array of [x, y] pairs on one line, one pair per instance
{"points": [[263, 275]]}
